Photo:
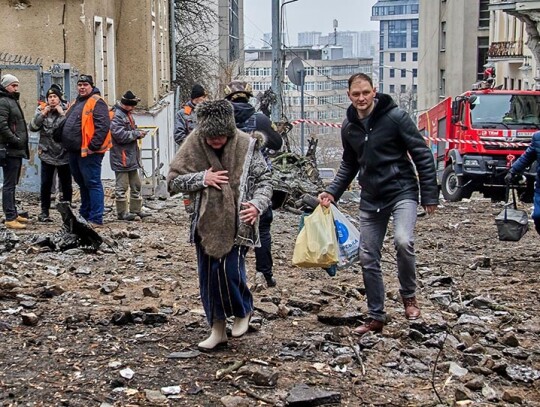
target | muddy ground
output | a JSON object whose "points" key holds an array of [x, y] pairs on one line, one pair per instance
{"points": [[71, 324]]}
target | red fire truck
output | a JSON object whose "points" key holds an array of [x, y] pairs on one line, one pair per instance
{"points": [[475, 138]]}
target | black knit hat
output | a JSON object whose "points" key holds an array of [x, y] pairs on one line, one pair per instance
{"points": [[86, 78], [197, 91], [129, 99], [215, 119], [55, 90]]}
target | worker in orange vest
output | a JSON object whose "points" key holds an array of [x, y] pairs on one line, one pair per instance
{"points": [[186, 120], [86, 137]]}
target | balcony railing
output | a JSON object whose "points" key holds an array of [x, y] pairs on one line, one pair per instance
{"points": [[506, 49]]}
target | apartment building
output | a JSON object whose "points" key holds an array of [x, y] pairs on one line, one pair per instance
{"points": [[515, 66], [454, 44], [398, 50], [325, 90], [230, 39]]}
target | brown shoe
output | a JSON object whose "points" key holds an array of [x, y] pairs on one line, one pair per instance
{"points": [[14, 224], [370, 325], [412, 310], [21, 219]]}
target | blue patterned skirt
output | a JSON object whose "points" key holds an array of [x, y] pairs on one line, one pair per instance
{"points": [[223, 284]]}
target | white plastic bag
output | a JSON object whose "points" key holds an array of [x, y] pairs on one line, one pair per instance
{"points": [[348, 238]]}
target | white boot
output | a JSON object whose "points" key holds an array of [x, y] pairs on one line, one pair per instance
{"points": [[240, 325], [216, 338]]}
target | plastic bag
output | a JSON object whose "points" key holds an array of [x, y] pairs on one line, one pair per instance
{"points": [[348, 238], [316, 244]]}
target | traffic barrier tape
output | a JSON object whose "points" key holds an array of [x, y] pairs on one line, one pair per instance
{"points": [[448, 140]]}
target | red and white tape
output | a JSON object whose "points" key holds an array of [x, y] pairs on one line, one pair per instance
{"points": [[448, 140]]}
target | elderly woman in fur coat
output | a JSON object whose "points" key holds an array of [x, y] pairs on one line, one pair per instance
{"points": [[229, 186]]}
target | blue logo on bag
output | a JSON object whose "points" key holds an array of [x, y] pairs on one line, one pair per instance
{"points": [[342, 232]]}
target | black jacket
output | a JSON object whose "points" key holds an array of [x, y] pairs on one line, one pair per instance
{"points": [[13, 131], [243, 112], [72, 132], [383, 155]]}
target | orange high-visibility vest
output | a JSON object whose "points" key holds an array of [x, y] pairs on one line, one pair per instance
{"points": [[88, 129]]}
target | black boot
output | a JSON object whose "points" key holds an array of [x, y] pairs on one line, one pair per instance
{"points": [[44, 217]]}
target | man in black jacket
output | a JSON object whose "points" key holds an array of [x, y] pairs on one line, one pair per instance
{"points": [[247, 120], [14, 147], [380, 144]]}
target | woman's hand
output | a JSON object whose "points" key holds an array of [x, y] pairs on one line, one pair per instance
{"points": [[45, 111], [59, 109], [249, 214], [216, 178]]}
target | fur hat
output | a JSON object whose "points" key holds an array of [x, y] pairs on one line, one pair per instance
{"points": [[8, 79], [215, 118], [238, 90], [86, 78], [197, 91], [55, 90], [129, 99]]}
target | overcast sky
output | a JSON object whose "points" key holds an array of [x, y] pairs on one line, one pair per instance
{"points": [[307, 15]]}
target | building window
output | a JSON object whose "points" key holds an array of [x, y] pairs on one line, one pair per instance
{"points": [[443, 36], [234, 31], [483, 48], [397, 34], [403, 57], [392, 88], [415, 56], [392, 57], [104, 58], [392, 73], [415, 73], [483, 20], [403, 73], [414, 8], [403, 88], [442, 83], [414, 33]]}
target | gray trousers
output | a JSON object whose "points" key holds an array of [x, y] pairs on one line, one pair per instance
{"points": [[373, 227], [127, 180]]}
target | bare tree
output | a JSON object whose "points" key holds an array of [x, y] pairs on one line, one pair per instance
{"points": [[195, 38]]}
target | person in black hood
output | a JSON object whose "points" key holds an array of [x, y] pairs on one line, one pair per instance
{"points": [[13, 148], [383, 146], [247, 120]]}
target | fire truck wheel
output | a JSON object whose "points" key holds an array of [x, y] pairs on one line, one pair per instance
{"points": [[450, 186]]}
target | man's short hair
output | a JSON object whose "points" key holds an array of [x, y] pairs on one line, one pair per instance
{"points": [[360, 77]]}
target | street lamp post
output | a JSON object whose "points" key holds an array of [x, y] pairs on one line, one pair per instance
{"points": [[413, 93]]}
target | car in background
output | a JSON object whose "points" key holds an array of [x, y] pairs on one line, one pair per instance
{"points": [[327, 175]]}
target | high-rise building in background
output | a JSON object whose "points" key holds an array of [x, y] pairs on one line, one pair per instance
{"points": [[454, 44], [356, 44], [398, 50], [309, 38]]}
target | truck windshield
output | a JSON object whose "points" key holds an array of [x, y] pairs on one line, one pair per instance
{"points": [[505, 111]]}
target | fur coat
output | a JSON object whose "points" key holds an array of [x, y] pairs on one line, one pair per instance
{"points": [[215, 217]]}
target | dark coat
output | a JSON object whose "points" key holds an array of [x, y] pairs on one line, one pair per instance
{"points": [[13, 131], [244, 112], [383, 155], [531, 155], [49, 151], [125, 154], [72, 133]]}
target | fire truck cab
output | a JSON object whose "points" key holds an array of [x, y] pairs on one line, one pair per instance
{"points": [[476, 137]]}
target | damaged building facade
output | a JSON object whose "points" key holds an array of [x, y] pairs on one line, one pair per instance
{"points": [[122, 45]]}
